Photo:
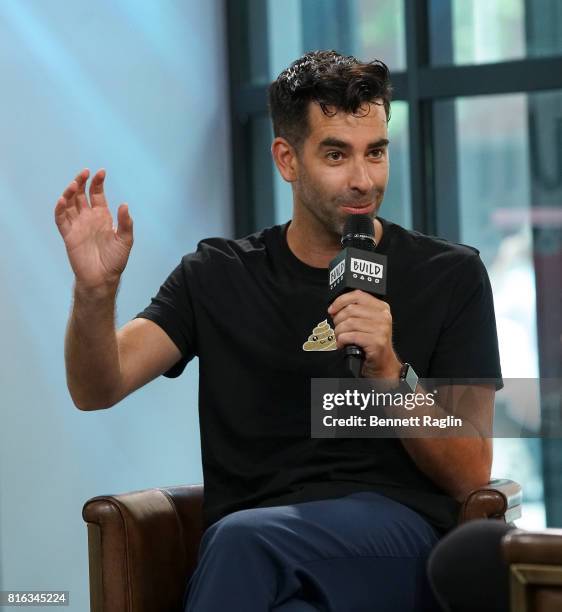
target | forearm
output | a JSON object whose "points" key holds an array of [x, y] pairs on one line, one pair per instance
{"points": [[457, 464], [460, 462], [457, 461], [91, 349]]}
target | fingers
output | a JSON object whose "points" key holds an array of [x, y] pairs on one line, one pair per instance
{"points": [[68, 199], [352, 297], [80, 198], [355, 311], [74, 201], [124, 224], [61, 218], [372, 345], [362, 339], [368, 308], [65, 209], [97, 195], [73, 197]]}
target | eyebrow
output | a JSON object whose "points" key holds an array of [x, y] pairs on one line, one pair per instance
{"points": [[340, 144]]}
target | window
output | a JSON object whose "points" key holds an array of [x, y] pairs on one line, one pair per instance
{"points": [[476, 157], [485, 31]]}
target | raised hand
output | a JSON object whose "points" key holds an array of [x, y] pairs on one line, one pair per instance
{"points": [[97, 251]]}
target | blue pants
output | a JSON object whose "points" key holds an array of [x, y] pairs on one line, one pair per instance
{"points": [[360, 553]]}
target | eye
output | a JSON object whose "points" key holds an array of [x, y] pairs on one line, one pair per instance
{"points": [[334, 155], [314, 338], [377, 153]]}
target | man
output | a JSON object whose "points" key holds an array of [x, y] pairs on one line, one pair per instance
{"points": [[294, 523]]}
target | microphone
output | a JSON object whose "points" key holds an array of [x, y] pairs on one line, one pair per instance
{"points": [[357, 266]]}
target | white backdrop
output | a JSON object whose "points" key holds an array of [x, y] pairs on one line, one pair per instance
{"points": [[140, 89]]}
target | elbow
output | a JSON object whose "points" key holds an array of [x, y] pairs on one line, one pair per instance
{"points": [[90, 404], [477, 478], [88, 396], [481, 464]]}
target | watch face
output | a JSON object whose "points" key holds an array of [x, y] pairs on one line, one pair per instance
{"points": [[410, 377]]}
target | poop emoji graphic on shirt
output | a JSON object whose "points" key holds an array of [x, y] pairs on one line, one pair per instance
{"points": [[322, 338]]}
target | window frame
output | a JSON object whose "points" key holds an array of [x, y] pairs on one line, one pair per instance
{"points": [[434, 194]]}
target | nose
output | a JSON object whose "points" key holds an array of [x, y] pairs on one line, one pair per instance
{"points": [[360, 180]]}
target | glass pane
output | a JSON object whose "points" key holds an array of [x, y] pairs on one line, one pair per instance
{"points": [[369, 30], [509, 168], [484, 31], [493, 166], [380, 32], [397, 202]]}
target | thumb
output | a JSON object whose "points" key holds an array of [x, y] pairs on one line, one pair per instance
{"points": [[124, 223]]}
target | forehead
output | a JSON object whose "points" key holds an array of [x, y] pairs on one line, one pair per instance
{"points": [[369, 123]]}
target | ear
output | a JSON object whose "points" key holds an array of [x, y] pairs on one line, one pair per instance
{"points": [[285, 158]]}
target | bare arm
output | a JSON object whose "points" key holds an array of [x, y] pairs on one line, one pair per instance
{"points": [[458, 464], [104, 365]]}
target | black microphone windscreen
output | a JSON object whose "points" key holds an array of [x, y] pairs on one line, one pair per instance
{"points": [[359, 232], [359, 224]]}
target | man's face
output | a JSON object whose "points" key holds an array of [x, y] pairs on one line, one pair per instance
{"points": [[343, 165]]}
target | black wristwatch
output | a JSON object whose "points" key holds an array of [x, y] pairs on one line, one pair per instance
{"points": [[408, 378]]}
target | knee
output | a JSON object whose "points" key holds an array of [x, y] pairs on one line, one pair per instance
{"points": [[240, 530]]}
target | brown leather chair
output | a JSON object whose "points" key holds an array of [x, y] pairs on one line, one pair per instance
{"points": [[143, 545], [535, 562]]}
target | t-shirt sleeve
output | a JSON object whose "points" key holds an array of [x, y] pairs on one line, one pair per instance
{"points": [[172, 309], [467, 346]]}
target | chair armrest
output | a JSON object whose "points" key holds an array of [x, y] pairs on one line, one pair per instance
{"points": [[499, 499], [143, 547], [535, 565], [544, 546]]}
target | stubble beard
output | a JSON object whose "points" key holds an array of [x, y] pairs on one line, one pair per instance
{"points": [[326, 210]]}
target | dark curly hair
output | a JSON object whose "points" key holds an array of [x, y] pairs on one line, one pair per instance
{"points": [[329, 79]]}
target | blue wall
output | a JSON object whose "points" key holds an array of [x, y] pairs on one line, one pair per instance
{"points": [[138, 88]]}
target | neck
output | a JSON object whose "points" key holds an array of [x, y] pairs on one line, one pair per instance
{"points": [[310, 242]]}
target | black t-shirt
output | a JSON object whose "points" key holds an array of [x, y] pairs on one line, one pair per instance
{"points": [[248, 307]]}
